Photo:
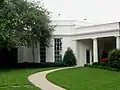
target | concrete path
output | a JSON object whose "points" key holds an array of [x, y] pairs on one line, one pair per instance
{"points": [[39, 80]]}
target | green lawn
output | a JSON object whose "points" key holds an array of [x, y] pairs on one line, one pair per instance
{"points": [[17, 79], [86, 79]]}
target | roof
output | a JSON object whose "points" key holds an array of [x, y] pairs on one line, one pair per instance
{"points": [[71, 22]]}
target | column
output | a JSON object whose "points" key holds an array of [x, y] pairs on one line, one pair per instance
{"points": [[53, 49], [27, 55], [20, 54], [117, 42], [95, 50], [50, 52], [74, 48], [38, 52], [91, 57]]}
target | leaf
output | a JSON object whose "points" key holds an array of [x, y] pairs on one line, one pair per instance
{"points": [[23, 22]]}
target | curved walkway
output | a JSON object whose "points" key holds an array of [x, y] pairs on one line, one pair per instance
{"points": [[39, 80]]}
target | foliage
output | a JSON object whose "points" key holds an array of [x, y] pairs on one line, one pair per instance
{"points": [[114, 59], [111, 63], [95, 63], [87, 65], [13, 64], [103, 62], [1, 1], [69, 58], [38, 65], [23, 23]]}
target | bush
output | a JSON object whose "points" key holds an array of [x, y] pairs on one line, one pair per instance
{"points": [[69, 58], [87, 65], [95, 64], [114, 59], [103, 62], [34, 65]]}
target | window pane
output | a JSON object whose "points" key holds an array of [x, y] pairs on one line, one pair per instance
{"points": [[58, 48], [42, 53]]}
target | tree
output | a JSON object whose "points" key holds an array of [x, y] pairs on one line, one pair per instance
{"points": [[23, 23], [1, 1], [69, 58]]}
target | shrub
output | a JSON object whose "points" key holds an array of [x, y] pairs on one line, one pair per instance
{"points": [[114, 59], [34, 65], [87, 65], [69, 58], [103, 62], [95, 64]]}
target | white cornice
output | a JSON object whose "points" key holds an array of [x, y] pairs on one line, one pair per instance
{"points": [[94, 25], [88, 33]]}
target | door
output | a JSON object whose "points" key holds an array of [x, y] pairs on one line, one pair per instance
{"points": [[88, 56]]}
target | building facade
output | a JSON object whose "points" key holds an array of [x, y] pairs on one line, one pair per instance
{"points": [[87, 41]]}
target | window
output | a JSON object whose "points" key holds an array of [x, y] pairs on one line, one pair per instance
{"points": [[58, 49], [42, 53]]}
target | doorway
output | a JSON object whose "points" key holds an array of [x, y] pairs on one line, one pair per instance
{"points": [[88, 56], [105, 45]]}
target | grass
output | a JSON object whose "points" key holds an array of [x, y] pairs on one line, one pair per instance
{"points": [[86, 79], [17, 79]]}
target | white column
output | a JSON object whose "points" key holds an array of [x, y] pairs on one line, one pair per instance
{"points": [[53, 49], [38, 52], [74, 48], [35, 50], [95, 50], [27, 55], [20, 54], [118, 42], [50, 52], [35, 53], [90, 56]]}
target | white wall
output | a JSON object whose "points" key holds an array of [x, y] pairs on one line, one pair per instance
{"points": [[63, 22], [63, 30], [66, 42], [66, 29], [83, 46]]}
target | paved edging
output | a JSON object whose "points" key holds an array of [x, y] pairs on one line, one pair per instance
{"points": [[39, 80]]}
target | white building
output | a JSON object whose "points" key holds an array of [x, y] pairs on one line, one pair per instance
{"points": [[87, 41]]}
